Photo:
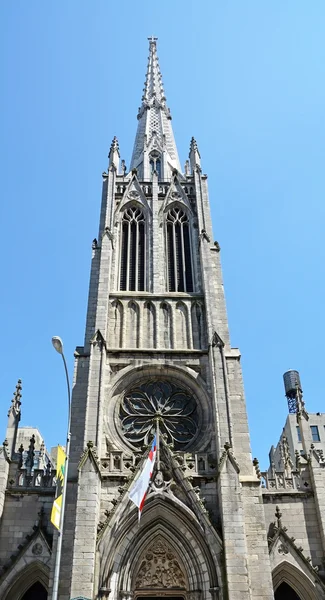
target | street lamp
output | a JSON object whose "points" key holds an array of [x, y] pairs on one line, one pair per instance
{"points": [[58, 345]]}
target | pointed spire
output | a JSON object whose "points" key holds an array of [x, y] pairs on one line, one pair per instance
{"points": [[154, 134], [153, 86], [114, 153]]}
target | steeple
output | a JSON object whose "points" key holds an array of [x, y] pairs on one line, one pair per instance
{"points": [[154, 146]]}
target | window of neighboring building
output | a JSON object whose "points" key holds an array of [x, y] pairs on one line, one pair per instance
{"points": [[132, 274], [179, 262], [315, 433], [298, 433]]}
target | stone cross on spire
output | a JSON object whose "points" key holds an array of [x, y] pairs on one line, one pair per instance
{"points": [[154, 134]]}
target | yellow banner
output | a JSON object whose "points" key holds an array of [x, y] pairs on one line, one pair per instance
{"points": [[57, 504]]}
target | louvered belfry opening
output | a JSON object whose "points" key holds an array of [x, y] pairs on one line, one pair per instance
{"points": [[180, 277], [132, 277]]}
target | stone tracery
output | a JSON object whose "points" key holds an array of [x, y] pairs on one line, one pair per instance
{"points": [[175, 408]]}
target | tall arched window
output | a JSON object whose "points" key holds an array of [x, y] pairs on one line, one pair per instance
{"points": [[155, 163], [132, 277], [180, 278], [158, 167]]}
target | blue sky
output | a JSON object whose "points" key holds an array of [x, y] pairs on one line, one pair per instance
{"points": [[247, 80]]}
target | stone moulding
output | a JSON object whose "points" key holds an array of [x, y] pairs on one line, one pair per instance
{"points": [[90, 452]]}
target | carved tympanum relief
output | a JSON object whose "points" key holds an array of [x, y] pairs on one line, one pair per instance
{"points": [[160, 568]]}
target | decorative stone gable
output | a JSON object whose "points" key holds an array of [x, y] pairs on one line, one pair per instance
{"points": [[160, 568]]}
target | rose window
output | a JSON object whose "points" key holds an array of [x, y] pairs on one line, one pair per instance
{"points": [[174, 407]]}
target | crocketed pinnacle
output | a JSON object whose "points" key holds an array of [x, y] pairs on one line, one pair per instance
{"points": [[16, 401], [114, 144], [193, 145], [195, 159], [114, 153]]}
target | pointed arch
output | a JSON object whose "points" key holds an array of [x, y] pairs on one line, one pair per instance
{"points": [[155, 163], [165, 325], [35, 572], [115, 335], [179, 254], [198, 556], [285, 592], [286, 572], [149, 326], [35, 592], [197, 317], [182, 326], [133, 249], [133, 325]]}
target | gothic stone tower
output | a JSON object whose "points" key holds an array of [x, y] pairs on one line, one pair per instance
{"points": [[157, 346]]}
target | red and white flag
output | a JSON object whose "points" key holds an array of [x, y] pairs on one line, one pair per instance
{"points": [[139, 489]]}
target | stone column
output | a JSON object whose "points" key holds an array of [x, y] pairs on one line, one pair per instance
{"points": [[85, 538]]}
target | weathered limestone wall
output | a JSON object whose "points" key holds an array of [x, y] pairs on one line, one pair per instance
{"points": [[20, 514], [299, 516]]}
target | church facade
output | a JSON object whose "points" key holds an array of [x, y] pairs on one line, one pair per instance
{"points": [[157, 353]]}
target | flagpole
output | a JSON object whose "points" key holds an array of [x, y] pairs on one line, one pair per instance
{"points": [[158, 444]]}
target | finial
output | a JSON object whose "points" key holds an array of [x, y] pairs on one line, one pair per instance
{"points": [[194, 154], [114, 144], [21, 453], [41, 517], [257, 467], [114, 153], [193, 145], [278, 515], [48, 468], [31, 453], [152, 40], [286, 456]]}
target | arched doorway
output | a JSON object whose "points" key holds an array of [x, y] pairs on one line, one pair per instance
{"points": [[31, 583], [290, 583], [285, 592], [36, 592]]}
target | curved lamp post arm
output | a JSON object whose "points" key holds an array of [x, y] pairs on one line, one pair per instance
{"points": [[58, 345]]}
